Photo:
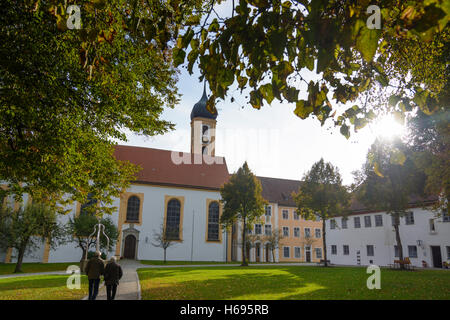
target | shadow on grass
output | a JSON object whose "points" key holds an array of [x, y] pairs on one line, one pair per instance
{"points": [[227, 283], [8, 268], [35, 282]]}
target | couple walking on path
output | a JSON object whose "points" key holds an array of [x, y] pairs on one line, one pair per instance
{"points": [[112, 273]]}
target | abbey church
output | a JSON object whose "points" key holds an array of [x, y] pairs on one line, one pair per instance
{"points": [[180, 191]]}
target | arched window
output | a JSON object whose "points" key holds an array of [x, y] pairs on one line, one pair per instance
{"points": [[85, 207], [173, 220], [133, 207], [213, 221]]}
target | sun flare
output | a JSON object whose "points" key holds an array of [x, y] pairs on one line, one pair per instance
{"points": [[387, 127]]}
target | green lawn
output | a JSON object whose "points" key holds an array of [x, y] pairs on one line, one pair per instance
{"points": [[296, 282], [8, 268], [50, 287], [179, 263]]}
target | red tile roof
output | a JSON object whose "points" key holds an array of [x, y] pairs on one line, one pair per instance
{"points": [[415, 201], [279, 190], [159, 169]]}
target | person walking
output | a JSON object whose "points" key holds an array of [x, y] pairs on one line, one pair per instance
{"points": [[113, 273], [94, 269]]}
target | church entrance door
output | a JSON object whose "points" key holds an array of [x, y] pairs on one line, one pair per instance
{"points": [[130, 247]]}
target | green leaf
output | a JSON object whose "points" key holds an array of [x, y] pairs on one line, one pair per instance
{"points": [[277, 39], [345, 131], [214, 26], [382, 79], [367, 42], [267, 92], [291, 94], [393, 100], [303, 109], [178, 56]]}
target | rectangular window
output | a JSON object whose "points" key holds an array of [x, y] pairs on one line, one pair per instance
{"points": [[370, 251], [286, 231], [333, 249], [409, 218], [268, 229], [297, 232], [367, 221], [344, 223], [332, 224], [307, 232], [378, 220], [346, 250], [318, 253], [286, 252], [448, 253], [268, 213], [396, 252], [258, 229], [318, 234], [432, 226], [297, 252], [296, 215], [285, 214], [445, 215], [357, 222], [412, 251]]}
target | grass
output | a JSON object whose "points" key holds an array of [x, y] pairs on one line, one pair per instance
{"points": [[179, 263], [49, 287], [8, 268], [286, 282]]}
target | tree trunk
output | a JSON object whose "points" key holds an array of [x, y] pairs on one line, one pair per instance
{"points": [[84, 254], [20, 259], [244, 245], [273, 255], [324, 243], [165, 255], [399, 241]]}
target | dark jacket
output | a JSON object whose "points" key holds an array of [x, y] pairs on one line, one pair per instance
{"points": [[94, 268], [113, 273]]}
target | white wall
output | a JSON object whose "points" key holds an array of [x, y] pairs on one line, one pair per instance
{"points": [[194, 245], [193, 230], [383, 239]]}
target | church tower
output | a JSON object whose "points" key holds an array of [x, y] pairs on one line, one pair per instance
{"points": [[203, 128]]}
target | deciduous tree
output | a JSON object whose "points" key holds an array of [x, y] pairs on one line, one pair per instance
{"points": [[67, 95], [81, 227], [388, 180], [274, 240], [265, 47], [29, 227], [242, 202], [321, 194], [161, 240]]}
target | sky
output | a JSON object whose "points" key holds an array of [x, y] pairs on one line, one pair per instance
{"points": [[273, 140]]}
